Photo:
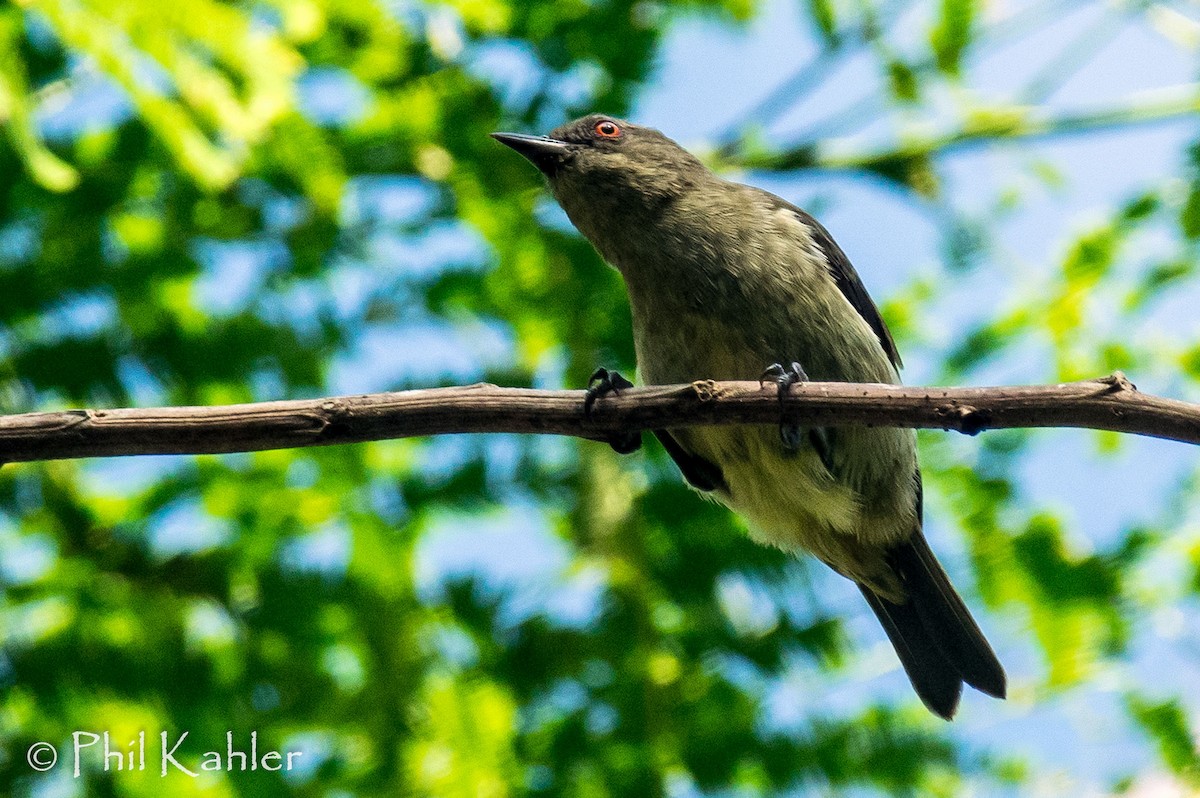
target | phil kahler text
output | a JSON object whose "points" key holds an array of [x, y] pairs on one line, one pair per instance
{"points": [[99, 750]]}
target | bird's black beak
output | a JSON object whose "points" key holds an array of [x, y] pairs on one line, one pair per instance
{"points": [[545, 153]]}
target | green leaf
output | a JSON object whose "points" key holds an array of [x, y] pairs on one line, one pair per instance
{"points": [[1092, 255], [1154, 280], [1168, 727], [1071, 599], [952, 34], [1189, 215], [903, 81], [1190, 362], [16, 111], [824, 17]]}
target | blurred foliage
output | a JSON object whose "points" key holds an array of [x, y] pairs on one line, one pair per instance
{"points": [[207, 202], [1167, 725]]}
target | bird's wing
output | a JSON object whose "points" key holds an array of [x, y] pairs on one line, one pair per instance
{"points": [[699, 473], [846, 278]]}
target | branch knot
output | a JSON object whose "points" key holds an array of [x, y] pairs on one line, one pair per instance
{"points": [[336, 415], [967, 419], [1117, 382], [706, 390]]}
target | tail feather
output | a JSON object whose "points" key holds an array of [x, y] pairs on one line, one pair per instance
{"points": [[937, 640], [947, 617], [936, 681]]}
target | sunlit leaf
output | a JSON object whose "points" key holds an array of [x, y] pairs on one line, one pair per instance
{"points": [[1166, 724], [952, 33]]}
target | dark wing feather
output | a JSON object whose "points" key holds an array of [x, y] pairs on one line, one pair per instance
{"points": [[847, 280], [699, 473]]}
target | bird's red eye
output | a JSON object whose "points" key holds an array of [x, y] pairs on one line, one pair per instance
{"points": [[607, 129]]}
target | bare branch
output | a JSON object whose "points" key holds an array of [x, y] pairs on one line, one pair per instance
{"points": [[1110, 403], [993, 124], [815, 71]]}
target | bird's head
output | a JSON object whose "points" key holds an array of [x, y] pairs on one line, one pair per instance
{"points": [[607, 172]]}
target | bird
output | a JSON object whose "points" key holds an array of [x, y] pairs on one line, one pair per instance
{"points": [[729, 282]]}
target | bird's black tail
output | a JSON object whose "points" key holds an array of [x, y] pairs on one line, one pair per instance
{"points": [[937, 640]]}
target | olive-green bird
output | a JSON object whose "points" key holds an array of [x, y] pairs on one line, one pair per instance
{"points": [[725, 280]]}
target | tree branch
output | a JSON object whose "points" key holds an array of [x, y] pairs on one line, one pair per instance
{"points": [[1109, 403], [986, 125]]}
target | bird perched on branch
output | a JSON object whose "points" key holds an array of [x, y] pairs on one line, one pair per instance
{"points": [[725, 280]]}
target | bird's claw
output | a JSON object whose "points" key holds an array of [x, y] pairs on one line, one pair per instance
{"points": [[784, 378], [603, 382], [789, 434]]}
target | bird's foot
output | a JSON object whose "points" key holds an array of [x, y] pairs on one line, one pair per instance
{"points": [[603, 382], [790, 435]]}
